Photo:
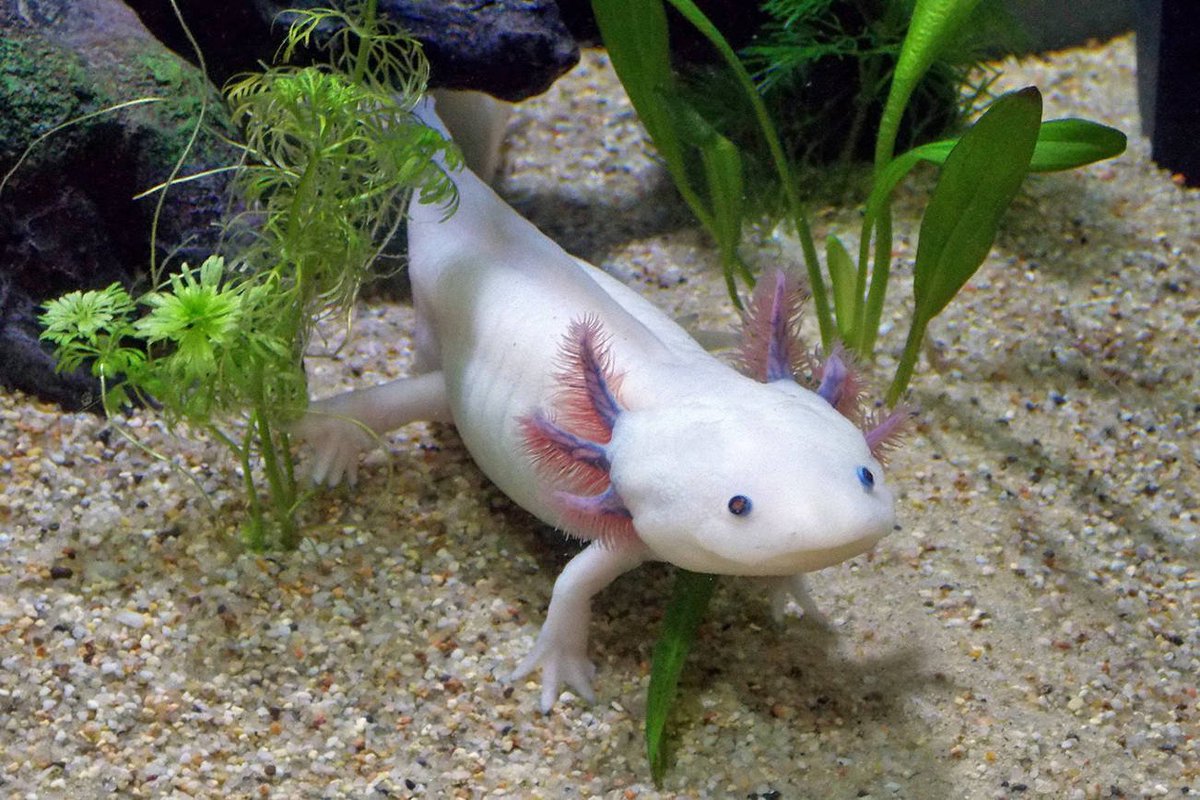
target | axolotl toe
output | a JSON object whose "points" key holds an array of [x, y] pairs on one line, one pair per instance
{"points": [[597, 413]]}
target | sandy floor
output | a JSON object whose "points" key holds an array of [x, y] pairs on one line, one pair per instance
{"points": [[1030, 631]]}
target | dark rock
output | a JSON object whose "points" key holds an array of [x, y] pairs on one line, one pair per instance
{"points": [[580, 21], [737, 20], [234, 35], [512, 49], [68, 219]]}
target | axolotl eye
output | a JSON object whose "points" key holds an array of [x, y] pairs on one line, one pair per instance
{"points": [[866, 478], [739, 505]]}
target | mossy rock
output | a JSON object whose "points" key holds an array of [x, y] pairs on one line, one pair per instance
{"points": [[39, 84], [67, 215]]}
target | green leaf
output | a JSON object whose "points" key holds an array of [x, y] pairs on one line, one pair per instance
{"points": [[199, 318], [890, 176], [842, 280], [83, 317], [689, 600], [1070, 143], [723, 175], [978, 182], [691, 12], [1062, 144], [635, 36], [725, 189], [933, 23], [723, 171]]}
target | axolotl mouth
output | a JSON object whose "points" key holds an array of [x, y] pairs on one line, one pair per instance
{"points": [[766, 561]]}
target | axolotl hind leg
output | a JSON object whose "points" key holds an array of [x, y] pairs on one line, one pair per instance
{"points": [[340, 428], [781, 588]]}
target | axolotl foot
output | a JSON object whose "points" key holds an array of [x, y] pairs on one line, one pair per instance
{"points": [[336, 441], [793, 587], [562, 657]]}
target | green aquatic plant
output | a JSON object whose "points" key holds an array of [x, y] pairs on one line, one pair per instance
{"points": [[980, 173], [635, 35], [93, 328], [331, 154], [685, 612], [823, 68]]}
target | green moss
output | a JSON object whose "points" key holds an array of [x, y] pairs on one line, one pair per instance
{"points": [[40, 87], [43, 85], [179, 82], [166, 69], [185, 91]]}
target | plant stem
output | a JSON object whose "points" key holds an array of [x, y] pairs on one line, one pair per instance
{"points": [[364, 42], [817, 285], [908, 362], [868, 326], [289, 465], [303, 190], [868, 74], [812, 264], [160, 202], [277, 465], [731, 283], [860, 282], [256, 539], [283, 491]]}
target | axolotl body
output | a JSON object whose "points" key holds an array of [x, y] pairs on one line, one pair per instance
{"points": [[593, 410]]}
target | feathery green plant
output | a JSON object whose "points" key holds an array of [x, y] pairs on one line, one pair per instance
{"points": [[331, 154], [823, 69], [981, 172], [93, 328]]}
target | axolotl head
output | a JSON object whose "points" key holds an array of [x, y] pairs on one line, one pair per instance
{"points": [[732, 474], [752, 479]]}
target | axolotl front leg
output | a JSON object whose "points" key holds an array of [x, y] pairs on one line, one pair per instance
{"points": [[342, 427], [561, 647]]}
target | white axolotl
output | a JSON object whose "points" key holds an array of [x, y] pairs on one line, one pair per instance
{"points": [[593, 410]]}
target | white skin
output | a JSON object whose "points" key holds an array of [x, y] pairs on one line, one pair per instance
{"points": [[494, 299]]}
